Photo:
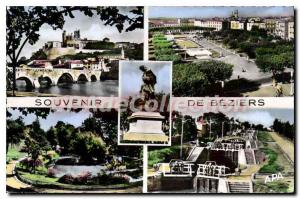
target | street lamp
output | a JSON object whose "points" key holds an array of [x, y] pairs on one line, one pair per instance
{"points": [[181, 138], [222, 130]]}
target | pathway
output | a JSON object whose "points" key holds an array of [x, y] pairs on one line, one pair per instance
{"points": [[286, 145]]}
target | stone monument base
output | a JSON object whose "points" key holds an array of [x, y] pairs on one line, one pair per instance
{"points": [[145, 127], [141, 137]]}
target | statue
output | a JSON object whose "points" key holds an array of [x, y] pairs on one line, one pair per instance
{"points": [[147, 89], [146, 125]]}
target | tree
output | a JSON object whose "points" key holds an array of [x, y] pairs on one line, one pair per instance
{"points": [[51, 135], [216, 71], [189, 126], [38, 135], [38, 55], [198, 79], [65, 134], [88, 146], [14, 131], [23, 24], [217, 121]]}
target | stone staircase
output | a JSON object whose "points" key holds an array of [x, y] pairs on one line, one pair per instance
{"points": [[239, 187], [250, 159]]}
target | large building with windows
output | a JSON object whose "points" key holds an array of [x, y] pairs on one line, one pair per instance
{"points": [[237, 25], [216, 24], [281, 29], [255, 21], [270, 25], [290, 30]]}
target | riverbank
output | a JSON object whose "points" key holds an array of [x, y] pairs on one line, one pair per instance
{"points": [[30, 94]]}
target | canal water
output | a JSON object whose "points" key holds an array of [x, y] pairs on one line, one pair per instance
{"points": [[107, 88]]}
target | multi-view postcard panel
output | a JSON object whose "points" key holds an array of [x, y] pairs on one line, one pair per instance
{"points": [[145, 102], [211, 111], [78, 56], [225, 51], [250, 151]]}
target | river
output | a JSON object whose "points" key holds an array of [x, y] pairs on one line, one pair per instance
{"points": [[107, 88]]}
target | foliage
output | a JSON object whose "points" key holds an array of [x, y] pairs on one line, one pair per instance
{"points": [[14, 131], [189, 127], [264, 136], [272, 166], [284, 128], [100, 45], [106, 179], [88, 147], [271, 187], [136, 53], [38, 55], [163, 50], [188, 80], [163, 155], [80, 179], [196, 79], [181, 28], [13, 153]]}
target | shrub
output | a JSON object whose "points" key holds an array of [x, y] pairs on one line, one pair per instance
{"points": [[106, 179], [51, 172], [81, 179], [67, 179]]}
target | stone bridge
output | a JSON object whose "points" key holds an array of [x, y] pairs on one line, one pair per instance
{"points": [[35, 76]]}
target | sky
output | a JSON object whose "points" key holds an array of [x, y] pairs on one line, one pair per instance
{"points": [[90, 28], [265, 116], [131, 77], [258, 116], [69, 117], [208, 12]]}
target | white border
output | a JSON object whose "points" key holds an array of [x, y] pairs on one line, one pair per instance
{"points": [[4, 3]]}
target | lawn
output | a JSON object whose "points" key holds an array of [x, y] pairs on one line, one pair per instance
{"points": [[264, 136], [271, 187], [186, 44], [39, 179], [272, 166], [163, 155], [14, 153], [277, 161]]}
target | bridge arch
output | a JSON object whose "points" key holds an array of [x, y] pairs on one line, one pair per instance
{"points": [[28, 81], [45, 80], [93, 78], [82, 78], [65, 78]]}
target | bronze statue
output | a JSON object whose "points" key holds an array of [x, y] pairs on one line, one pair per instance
{"points": [[147, 89]]}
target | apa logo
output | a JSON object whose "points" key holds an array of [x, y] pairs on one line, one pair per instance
{"points": [[273, 177]]}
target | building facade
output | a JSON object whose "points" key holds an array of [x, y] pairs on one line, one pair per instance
{"points": [[217, 25], [281, 29], [237, 25], [290, 30]]}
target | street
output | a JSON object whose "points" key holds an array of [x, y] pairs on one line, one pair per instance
{"points": [[251, 71]]}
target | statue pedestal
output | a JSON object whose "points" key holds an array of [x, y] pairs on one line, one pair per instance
{"points": [[145, 127]]}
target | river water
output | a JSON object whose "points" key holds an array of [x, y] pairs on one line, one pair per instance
{"points": [[107, 88]]}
